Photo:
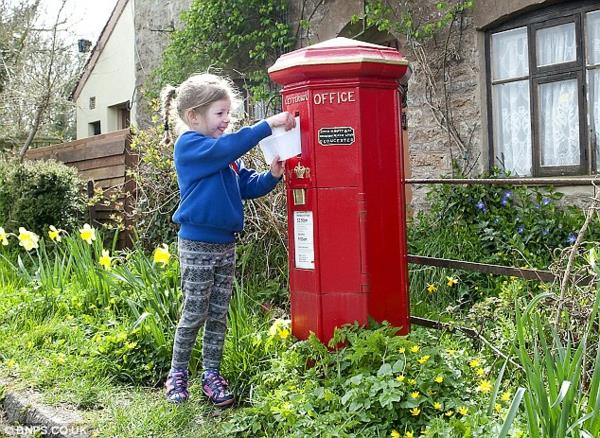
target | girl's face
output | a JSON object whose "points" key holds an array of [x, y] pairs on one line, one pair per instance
{"points": [[214, 121]]}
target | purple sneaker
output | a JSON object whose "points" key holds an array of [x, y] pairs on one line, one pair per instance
{"points": [[177, 386], [216, 388]]}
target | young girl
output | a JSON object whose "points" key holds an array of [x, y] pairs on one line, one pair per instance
{"points": [[212, 183]]}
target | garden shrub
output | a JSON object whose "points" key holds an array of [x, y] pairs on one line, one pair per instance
{"points": [[377, 384], [37, 194], [157, 193], [505, 225]]}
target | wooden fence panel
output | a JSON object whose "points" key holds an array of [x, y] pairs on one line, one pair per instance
{"points": [[102, 161]]}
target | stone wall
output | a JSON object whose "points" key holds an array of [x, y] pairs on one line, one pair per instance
{"points": [[154, 21], [326, 18], [437, 94]]}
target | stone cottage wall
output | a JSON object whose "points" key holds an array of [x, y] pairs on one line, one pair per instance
{"points": [[154, 21]]}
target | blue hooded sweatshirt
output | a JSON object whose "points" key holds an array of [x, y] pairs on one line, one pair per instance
{"points": [[213, 181]]}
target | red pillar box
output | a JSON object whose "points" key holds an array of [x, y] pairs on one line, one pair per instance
{"points": [[346, 207]]}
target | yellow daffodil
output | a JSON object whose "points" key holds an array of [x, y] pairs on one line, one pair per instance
{"points": [[505, 396], [498, 407], [423, 359], [480, 372], [484, 386], [54, 234], [3, 237], [400, 378], [401, 350], [451, 281], [409, 434], [415, 395], [450, 352], [431, 288], [449, 413], [415, 412], [437, 406], [161, 254], [105, 260], [10, 363], [28, 239], [474, 363], [415, 349], [87, 233], [439, 379], [281, 328], [463, 410], [395, 434], [412, 382]]}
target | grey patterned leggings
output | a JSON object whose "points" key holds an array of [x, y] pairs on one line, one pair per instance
{"points": [[207, 271]]}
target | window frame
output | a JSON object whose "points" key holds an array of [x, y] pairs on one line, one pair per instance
{"points": [[550, 16]]}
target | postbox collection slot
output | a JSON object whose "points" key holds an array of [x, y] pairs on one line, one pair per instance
{"points": [[299, 196]]}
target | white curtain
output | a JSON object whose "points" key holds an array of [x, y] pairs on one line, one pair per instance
{"points": [[556, 44], [594, 110], [512, 127], [559, 123], [509, 54], [593, 37]]}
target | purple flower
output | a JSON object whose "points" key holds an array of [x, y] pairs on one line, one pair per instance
{"points": [[520, 229], [545, 232], [546, 201], [571, 238], [505, 197], [480, 206]]}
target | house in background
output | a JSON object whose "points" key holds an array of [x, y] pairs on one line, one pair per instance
{"points": [[104, 94], [107, 95]]}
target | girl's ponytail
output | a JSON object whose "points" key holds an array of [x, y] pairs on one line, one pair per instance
{"points": [[166, 98]]}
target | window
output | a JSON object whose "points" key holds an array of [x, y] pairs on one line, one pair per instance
{"points": [[94, 128], [544, 91], [92, 103]]}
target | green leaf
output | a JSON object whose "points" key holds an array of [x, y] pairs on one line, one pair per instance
{"points": [[512, 413], [385, 370]]}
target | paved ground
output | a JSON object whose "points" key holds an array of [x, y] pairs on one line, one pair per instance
{"points": [[5, 429]]}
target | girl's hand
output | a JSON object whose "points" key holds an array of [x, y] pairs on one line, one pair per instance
{"points": [[284, 119], [277, 167]]}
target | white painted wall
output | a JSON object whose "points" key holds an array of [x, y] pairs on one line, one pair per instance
{"points": [[112, 81]]}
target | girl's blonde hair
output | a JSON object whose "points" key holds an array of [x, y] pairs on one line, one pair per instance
{"points": [[196, 93]]}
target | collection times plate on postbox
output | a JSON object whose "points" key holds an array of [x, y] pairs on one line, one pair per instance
{"points": [[303, 240]]}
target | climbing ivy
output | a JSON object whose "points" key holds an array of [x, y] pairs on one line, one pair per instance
{"points": [[417, 20], [240, 37]]}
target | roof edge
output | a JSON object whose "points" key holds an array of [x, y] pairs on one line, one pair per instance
{"points": [[107, 31]]}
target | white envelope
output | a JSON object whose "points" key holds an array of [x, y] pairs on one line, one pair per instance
{"points": [[284, 143]]}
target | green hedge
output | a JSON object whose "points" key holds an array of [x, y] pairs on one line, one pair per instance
{"points": [[36, 194]]}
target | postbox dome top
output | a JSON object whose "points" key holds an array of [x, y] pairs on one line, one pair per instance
{"points": [[339, 57]]}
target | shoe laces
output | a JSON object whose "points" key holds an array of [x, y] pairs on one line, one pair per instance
{"points": [[179, 380], [216, 382]]}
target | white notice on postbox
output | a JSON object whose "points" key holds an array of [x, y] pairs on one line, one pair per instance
{"points": [[304, 248]]}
